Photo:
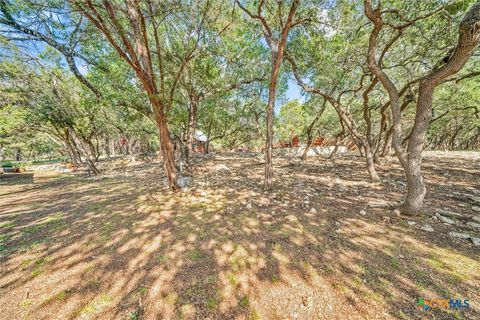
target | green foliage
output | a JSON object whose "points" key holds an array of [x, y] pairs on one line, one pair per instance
{"points": [[45, 111], [244, 301], [291, 121]]}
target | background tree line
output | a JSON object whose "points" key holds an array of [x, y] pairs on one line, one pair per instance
{"points": [[89, 78]]}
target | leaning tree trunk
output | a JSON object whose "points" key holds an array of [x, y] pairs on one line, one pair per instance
{"points": [[93, 151], [469, 37], [76, 160], [72, 144], [411, 160], [82, 147], [310, 130]]}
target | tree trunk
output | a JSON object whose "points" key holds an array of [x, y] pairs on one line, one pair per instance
{"points": [[338, 140], [70, 155], [368, 139], [192, 125], [209, 133], [107, 146], [370, 164], [165, 145], [111, 147], [469, 37], [310, 130], [277, 60], [82, 147], [91, 165], [93, 151], [416, 189], [387, 144], [277, 47], [76, 160], [70, 141], [454, 137], [307, 147]]}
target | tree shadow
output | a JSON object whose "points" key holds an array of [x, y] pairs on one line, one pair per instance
{"points": [[9, 179], [125, 248]]}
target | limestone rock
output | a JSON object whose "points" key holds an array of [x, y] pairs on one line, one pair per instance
{"points": [[183, 182], [378, 204], [474, 225], [459, 235], [221, 167], [475, 241], [448, 213], [427, 228], [445, 219]]}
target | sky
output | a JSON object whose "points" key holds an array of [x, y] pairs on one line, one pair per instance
{"points": [[293, 91]]}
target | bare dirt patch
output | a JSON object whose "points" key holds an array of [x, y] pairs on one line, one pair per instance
{"points": [[324, 245]]}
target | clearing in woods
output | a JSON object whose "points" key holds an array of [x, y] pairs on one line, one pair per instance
{"points": [[323, 245]]}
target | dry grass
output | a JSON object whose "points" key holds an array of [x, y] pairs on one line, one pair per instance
{"points": [[121, 247]]}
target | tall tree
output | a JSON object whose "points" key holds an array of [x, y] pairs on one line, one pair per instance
{"points": [[276, 41], [157, 47], [411, 159]]}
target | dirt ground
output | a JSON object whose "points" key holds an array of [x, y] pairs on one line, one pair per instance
{"points": [[325, 244]]}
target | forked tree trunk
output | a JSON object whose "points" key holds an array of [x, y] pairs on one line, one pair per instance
{"points": [[309, 142], [346, 120], [76, 160], [310, 130], [133, 47], [411, 160], [82, 148]]}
